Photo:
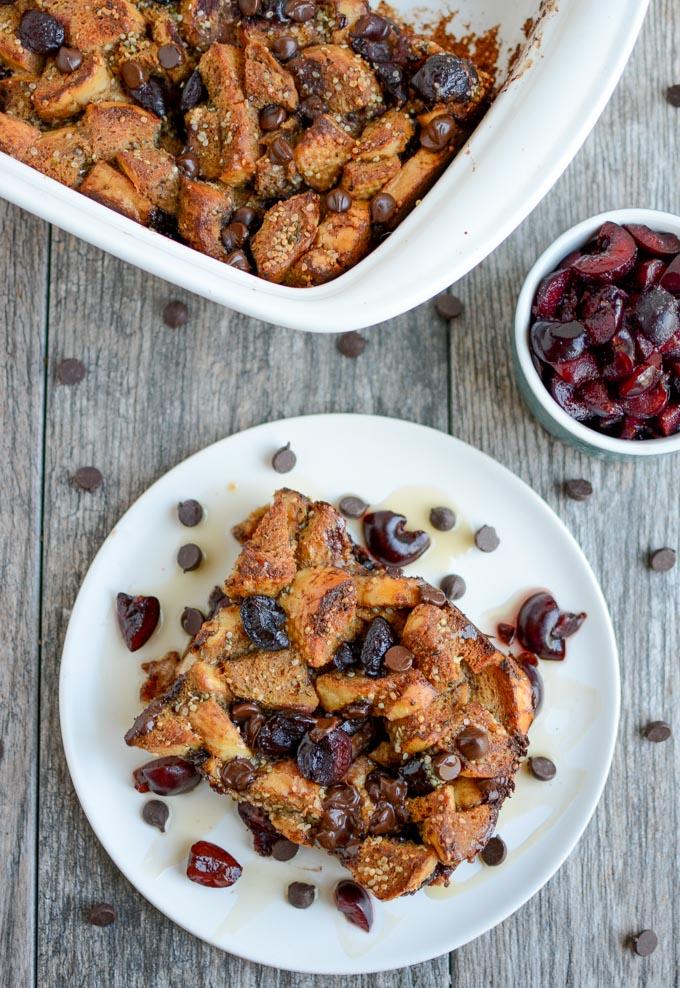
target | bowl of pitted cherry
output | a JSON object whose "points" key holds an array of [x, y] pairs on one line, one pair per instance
{"points": [[597, 335]]}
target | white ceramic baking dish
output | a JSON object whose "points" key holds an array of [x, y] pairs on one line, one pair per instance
{"points": [[557, 89]]}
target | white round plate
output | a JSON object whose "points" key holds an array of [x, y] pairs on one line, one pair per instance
{"points": [[407, 467]]}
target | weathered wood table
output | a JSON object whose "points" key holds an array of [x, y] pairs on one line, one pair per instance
{"points": [[153, 395]]}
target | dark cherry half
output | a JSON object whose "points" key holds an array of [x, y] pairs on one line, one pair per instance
{"points": [[137, 618], [390, 542], [542, 627], [168, 776], [212, 866], [354, 903]]}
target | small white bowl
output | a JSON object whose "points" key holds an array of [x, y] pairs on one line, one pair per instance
{"points": [[541, 403]]}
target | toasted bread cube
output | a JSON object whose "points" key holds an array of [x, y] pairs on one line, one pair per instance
{"points": [[322, 151], [267, 563], [204, 139], [321, 609], [221, 69], [163, 727], [221, 637], [323, 540], [16, 96], [505, 690], [58, 96], [246, 528], [203, 21], [390, 868], [424, 729], [504, 750], [342, 79], [293, 826], [381, 590], [275, 181], [17, 138], [363, 179], [274, 679], [203, 210], [13, 55], [61, 154], [336, 689], [468, 793], [282, 789], [202, 678], [160, 675], [286, 233], [111, 127], [154, 174], [220, 736], [414, 178], [384, 137], [402, 694], [342, 240], [165, 31], [454, 835], [106, 185], [240, 144], [266, 81], [347, 13], [98, 25]]}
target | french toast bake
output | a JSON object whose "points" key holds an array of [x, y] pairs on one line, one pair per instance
{"points": [[283, 137], [343, 705]]}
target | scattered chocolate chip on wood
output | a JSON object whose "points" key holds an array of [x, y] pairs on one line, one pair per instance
{"points": [[70, 371], [673, 95], [662, 560], [448, 306], [657, 731], [88, 479], [175, 314], [644, 943], [578, 489], [351, 344], [102, 914], [284, 459]]}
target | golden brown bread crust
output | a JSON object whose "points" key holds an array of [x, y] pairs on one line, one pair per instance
{"points": [[298, 553], [196, 82]]}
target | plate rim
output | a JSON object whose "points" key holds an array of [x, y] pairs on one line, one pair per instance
{"points": [[544, 874]]}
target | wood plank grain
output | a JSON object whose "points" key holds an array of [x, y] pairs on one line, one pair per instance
{"points": [[152, 396], [623, 875], [23, 285]]}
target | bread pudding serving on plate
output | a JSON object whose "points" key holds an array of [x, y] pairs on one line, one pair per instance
{"points": [[341, 704], [284, 137]]}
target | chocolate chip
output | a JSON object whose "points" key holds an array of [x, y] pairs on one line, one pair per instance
{"points": [[238, 774], [234, 236], [40, 32], [644, 943], [486, 539], [299, 11], [383, 207], [284, 459], [189, 557], [338, 201], [443, 519], [351, 344], [133, 74], [446, 766], [169, 56], [301, 894], [542, 768], [430, 595], [249, 7], [506, 633], [246, 215], [283, 849], [578, 489], [398, 658], [237, 259], [280, 151], [373, 27], [88, 478], [271, 117], [103, 914], [192, 620], [673, 95], [473, 743], [70, 371], [312, 107], [438, 132], [495, 852], [155, 812], [657, 731], [175, 314], [285, 48], [352, 506], [68, 59], [662, 560], [188, 163], [448, 306], [383, 820], [243, 711], [454, 586], [189, 512]]}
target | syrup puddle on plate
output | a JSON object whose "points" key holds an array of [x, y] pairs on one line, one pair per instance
{"points": [[192, 816]]}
